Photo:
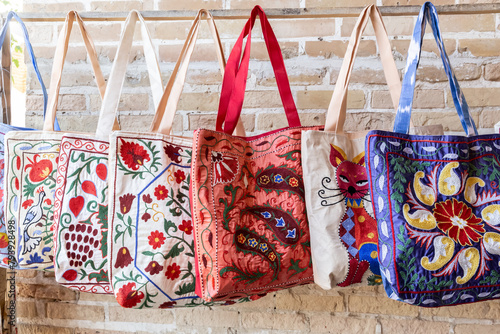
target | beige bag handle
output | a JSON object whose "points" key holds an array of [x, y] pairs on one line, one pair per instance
{"points": [[57, 67], [164, 117], [111, 98], [335, 117]]}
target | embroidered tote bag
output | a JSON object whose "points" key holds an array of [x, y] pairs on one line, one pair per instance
{"points": [[343, 230], [250, 226], [6, 237], [151, 243], [436, 200], [81, 197], [31, 166]]}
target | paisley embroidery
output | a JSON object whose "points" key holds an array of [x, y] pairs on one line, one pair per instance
{"points": [[443, 207], [282, 223], [454, 219], [248, 214], [250, 242], [279, 179]]}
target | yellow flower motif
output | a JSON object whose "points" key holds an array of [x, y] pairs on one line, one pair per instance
{"points": [[241, 238], [264, 179]]}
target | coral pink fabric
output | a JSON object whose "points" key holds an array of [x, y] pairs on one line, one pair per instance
{"points": [[247, 194]]}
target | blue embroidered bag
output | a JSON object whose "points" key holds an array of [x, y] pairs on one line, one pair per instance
{"points": [[436, 200], [5, 260]]}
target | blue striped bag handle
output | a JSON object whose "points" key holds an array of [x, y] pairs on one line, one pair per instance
{"points": [[32, 56], [402, 121]]}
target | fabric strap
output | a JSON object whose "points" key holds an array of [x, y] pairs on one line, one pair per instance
{"points": [[402, 121], [58, 64], [164, 117], [336, 114], [117, 77], [235, 77], [27, 43]]}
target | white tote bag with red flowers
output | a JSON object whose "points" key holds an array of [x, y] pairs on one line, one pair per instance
{"points": [[151, 234], [31, 166], [81, 201]]}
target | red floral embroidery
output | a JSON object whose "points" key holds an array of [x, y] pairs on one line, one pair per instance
{"points": [[27, 203], [40, 169], [4, 240], [123, 258], [293, 182], [225, 168], [147, 198], [186, 226], [146, 217], [48, 201], [156, 239], [128, 297], [173, 271], [126, 203], [154, 268], [457, 220], [173, 152], [179, 176], [161, 192], [168, 304], [133, 155]]}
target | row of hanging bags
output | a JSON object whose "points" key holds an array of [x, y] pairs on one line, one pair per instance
{"points": [[7, 257], [81, 199], [31, 167], [343, 230], [151, 242], [247, 193], [436, 200]]}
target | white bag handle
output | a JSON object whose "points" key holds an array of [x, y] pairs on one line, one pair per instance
{"points": [[111, 99]]}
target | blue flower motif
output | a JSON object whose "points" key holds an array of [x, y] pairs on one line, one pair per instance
{"points": [[263, 247], [266, 214], [252, 242], [280, 222], [291, 234], [34, 258], [278, 178]]}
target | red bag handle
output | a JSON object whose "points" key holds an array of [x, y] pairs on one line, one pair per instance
{"points": [[235, 77]]}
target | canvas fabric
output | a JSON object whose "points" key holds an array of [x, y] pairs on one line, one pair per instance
{"points": [[7, 261], [151, 240], [81, 202], [31, 167], [247, 193], [436, 200], [343, 229]]}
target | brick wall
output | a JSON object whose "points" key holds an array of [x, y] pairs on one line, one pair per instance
{"points": [[313, 49]]}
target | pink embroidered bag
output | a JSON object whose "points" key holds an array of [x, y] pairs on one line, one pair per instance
{"points": [[81, 199], [31, 166], [151, 243], [247, 194]]}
